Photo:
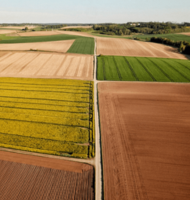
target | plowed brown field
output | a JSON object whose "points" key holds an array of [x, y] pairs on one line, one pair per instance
{"points": [[187, 33], [39, 33], [31, 177], [75, 33], [145, 140], [76, 27], [46, 65], [125, 47], [18, 27], [7, 31], [58, 46]]}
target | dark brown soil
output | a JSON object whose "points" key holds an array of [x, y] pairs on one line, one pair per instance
{"points": [[145, 140], [25, 177]]}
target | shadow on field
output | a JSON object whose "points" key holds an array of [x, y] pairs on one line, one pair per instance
{"points": [[174, 50], [187, 56]]}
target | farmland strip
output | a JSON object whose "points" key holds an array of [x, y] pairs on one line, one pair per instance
{"points": [[133, 72], [46, 114], [161, 70], [176, 70], [118, 72], [146, 69], [104, 70]]}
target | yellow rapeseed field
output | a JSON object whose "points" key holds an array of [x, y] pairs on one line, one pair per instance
{"points": [[52, 116]]}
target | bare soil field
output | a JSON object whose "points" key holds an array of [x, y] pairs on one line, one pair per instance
{"points": [[67, 27], [18, 27], [32, 177], [46, 65], [145, 140], [3, 54], [7, 31], [125, 47], [56, 46], [39, 33], [75, 33], [186, 33]]}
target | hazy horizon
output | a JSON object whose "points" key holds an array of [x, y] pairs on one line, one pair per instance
{"points": [[104, 11]]}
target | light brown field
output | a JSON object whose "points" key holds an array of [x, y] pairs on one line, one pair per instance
{"points": [[145, 140], [75, 33], [186, 33], [32, 177], [18, 27], [58, 46], [39, 33], [67, 27], [7, 31], [125, 47], [46, 65]]}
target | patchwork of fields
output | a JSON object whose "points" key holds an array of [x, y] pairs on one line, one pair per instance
{"points": [[124, 47], [48, 116], [144, 126], [81, 45], [145, 140], [46, 65], [143, 69]]}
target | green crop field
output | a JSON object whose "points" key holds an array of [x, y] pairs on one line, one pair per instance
{"points": [[82, 45], [27, 39], [174, 37], [47, 116], [143, 69]]}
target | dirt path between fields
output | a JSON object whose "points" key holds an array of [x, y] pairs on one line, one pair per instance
{"points": [[98, 159]]}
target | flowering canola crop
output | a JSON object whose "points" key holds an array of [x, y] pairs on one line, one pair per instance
{"points": [[52, 116]]}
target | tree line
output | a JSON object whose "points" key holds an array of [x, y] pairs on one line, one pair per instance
{"points": [[141, 27]]}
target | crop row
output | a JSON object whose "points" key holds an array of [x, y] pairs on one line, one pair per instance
{"points": [[143, 69], [41, 145], [44, 102], [72, 109]]}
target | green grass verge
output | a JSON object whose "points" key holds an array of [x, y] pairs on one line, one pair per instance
{"points": [[82, 45], [119, 68], [48, 116], [174, 37], [48, 38], [5, 37]]}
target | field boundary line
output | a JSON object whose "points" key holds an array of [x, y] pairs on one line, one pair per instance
{"points": [[80, 160]]}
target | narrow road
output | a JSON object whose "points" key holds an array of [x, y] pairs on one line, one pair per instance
{"points": [[98, 165]]}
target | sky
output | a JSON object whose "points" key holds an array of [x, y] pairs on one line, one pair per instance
{"points": [[93, 11]]}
